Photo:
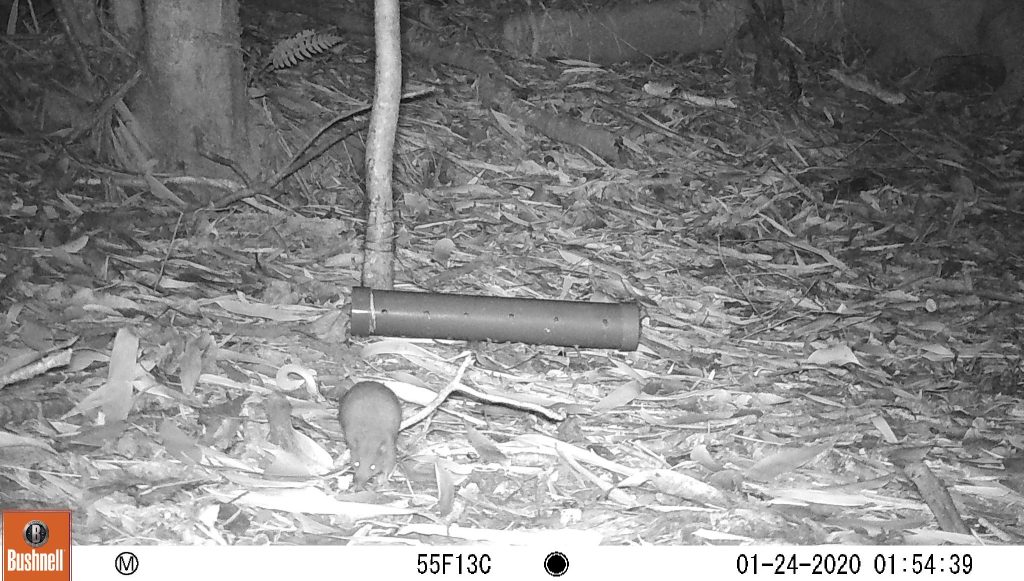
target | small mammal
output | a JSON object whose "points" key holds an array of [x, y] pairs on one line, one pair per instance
{"points": [[370, 415]]}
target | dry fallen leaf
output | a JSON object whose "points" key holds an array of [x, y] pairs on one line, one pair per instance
{"points": [[784, 461]]}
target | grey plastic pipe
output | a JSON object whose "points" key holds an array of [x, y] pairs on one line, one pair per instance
{"points": [[498, 319]]}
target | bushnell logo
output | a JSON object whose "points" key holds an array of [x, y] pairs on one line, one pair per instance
{"points": [[36, 534]]}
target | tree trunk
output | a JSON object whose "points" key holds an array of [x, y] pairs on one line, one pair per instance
{"points": [[192, 99]]}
